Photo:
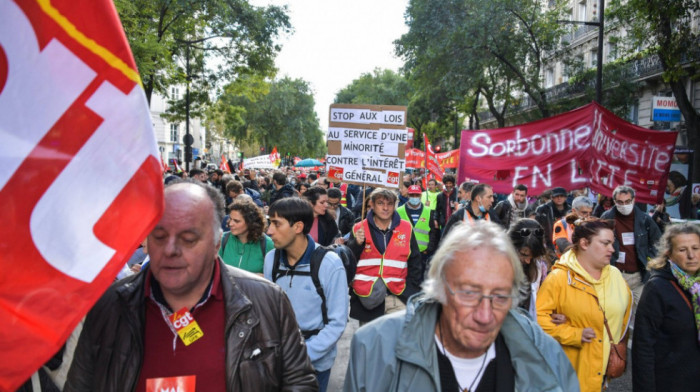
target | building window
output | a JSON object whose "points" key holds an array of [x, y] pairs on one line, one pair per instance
{"points": [[548, 78], [612, 50], [594, 58], [174, 93], [633, 115], [174, 132], [582, 15]]}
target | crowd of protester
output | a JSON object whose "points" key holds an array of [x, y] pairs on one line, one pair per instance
{"points": [[455, 287]]}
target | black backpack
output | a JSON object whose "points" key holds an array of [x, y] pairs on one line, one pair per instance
{"points": [[346, 256]]}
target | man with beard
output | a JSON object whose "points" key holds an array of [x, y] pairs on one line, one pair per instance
{"points": [[513, 208]]}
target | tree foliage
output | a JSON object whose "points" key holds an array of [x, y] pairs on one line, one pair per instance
{"points": [[491, 48], [256, 113], [162, 32], [665, 28]]}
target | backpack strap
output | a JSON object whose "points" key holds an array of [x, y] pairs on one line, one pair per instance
{"points": [[316, 258], [263, 245], [276, 266], [675, 285], [224, 241]]}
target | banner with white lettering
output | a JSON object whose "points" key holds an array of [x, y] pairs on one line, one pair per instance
{"points": [[588, 146], [266, 161], [80, 177], [366, 144]]}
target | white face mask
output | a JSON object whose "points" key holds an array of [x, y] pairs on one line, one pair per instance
{"points": [[625, 210]]}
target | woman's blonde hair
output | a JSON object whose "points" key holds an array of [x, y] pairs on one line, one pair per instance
{"points": [[665, 245]]}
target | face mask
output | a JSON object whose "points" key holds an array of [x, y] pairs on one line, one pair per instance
{"points": [[625, 210], [481, 208], [414, 201]]}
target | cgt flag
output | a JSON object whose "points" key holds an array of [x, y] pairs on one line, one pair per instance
{"points": [[223, 166], [80, 177]]}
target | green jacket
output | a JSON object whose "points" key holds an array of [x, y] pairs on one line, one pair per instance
{"points": [[397, 353]]}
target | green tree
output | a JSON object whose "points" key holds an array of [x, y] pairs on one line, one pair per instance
{"points": [[162, 32], [664, 27], [487, 47], [381, 87], [278, 114]]}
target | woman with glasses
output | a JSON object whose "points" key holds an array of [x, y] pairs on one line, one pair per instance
{"points": [[666, 344], [527, 237], [589, 293]]}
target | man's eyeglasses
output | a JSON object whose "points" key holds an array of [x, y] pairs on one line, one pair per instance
{"points": [[333, 205], [624, 202], [525, 232], [473, 298]]}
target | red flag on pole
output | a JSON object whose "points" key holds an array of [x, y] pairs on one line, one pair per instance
{"points": [[162, 163], [80, 181], [275, 157], [431, 160], [224, 164]]}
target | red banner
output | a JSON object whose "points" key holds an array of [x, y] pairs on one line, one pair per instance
{"points": [[80, 177], [449, 159], [415, 158], [432, 162], [588, 146]]}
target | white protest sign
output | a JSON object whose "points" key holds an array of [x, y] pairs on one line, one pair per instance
{"points": [[259, 162], [366, 144]]}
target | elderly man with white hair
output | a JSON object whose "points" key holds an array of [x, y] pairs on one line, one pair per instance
{"points": [[463, 332]]}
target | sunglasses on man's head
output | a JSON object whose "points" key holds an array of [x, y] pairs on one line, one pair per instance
{"points": [[525, 232]]}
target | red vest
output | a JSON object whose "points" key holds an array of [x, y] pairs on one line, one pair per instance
{"points": [[391, 266]]}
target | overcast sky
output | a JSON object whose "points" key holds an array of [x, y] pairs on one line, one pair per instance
{"points": [[334, 42]]}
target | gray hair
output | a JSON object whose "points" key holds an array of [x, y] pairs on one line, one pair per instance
{"points": [[622, 189], [461, 238], [581, 201], [217, 201], [665, 245]]}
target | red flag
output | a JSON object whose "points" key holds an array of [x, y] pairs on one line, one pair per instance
{"points": [[178, 169], [163, 165], [224, 164], [80, 181], [431, 160], [275, 157]]}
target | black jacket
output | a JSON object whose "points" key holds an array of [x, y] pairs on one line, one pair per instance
{"points": [[414, 276], [345, 221], [646, 236], [665, 350], [109, 354], [287, 190], [441, 207], [458, 217], [547, 214], [327, 230]]}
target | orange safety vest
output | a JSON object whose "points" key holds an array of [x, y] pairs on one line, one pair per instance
{"points": [[563, 232], [392, 266], [343, 197], [468, 217]]}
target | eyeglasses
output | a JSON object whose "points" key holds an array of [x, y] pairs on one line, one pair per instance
{"points": [[471, 299], [333, 205], [525, 232], [624, 203]]}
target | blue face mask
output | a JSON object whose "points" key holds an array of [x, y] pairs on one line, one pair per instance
{"points": [[414, 201], [481, 208]]}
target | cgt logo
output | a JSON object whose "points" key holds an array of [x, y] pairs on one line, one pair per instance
{"points": [[392, 178], [183, 321]]}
